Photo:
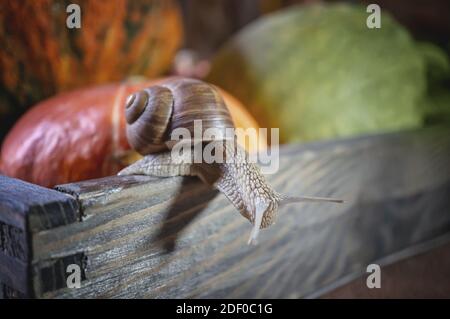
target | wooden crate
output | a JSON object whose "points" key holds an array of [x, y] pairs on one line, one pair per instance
{"points": [[148, 237]]}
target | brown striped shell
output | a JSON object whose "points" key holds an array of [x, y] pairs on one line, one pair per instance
{"points": [[153, 113]]}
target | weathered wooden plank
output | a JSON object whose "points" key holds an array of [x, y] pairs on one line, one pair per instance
{"points": [[173, 237], [13, 242], [14, 273], [26, 208], [50, 275], [9, 293], [140, 236], [46, 208]]}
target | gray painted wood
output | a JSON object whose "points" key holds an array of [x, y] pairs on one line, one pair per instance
{"points": [[149, 237]]}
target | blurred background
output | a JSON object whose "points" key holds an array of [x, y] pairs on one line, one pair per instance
{"points": [[154, 38], [209, 24], [312, 68]]}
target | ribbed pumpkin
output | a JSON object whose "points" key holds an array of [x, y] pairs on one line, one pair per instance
{"points": [[40, 56], [81, 135]]}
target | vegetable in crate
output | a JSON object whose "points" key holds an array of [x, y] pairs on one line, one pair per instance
{"points": [[319, 72], [81, 135], [40, 56]]}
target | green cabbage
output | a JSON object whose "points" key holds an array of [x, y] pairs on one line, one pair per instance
{"points": [[319, 72]]}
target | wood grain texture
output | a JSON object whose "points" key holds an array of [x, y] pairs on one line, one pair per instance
{"points": [[173, 237], [13, 242], [7, 292], [14, 274], [46, 208], [24, 209], [147, 237]]}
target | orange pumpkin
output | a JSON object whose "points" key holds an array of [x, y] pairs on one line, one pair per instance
{"points": [[81, 135], [40, 56]]}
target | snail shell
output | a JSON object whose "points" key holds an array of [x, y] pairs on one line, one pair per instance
{"points": [[153, 113]]}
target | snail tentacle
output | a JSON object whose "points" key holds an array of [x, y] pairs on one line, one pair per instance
{"points": [[154, 113]]}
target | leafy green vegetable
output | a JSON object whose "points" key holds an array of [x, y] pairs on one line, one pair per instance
{"points": [[319, 72], [436, 104]]}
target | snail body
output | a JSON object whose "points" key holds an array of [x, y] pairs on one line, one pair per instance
{"points": [[152, 114]]}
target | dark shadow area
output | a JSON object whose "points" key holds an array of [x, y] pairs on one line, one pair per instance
{"points": [[178, 216]]}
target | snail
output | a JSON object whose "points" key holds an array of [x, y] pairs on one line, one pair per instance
{"points": [[178, 103]]}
